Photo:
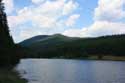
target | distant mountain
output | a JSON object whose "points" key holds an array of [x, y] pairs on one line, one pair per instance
{"points": [[45, 41], [62, 46], [32, 40]]}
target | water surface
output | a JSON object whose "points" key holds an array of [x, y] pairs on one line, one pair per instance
{"points": [[71, 71]]}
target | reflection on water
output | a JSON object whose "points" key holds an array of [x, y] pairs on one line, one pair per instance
{"points": [[71, 71]]}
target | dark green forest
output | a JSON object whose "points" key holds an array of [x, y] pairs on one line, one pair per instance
{"points": [[61, 46]]}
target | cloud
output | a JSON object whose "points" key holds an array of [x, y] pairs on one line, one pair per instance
{"points": [[69, 7], [37, 1], [9, 6], [44, 21], [72, 20], [59, 16], [46, 17], [99, 28], [76, 33], [106, 20], [25, 34], [109, 10]]}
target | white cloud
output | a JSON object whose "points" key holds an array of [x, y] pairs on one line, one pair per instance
{"points": [[72, 20], [37, 1], [46, 17], [57, 16], [23, 16], [44, 21], [106, 20], [25, 34], [76, 33], [99, 28], [9, 6], [109, 10], [69, 7]]}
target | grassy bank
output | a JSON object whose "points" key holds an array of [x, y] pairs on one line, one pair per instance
{"points": [[7, 75]]}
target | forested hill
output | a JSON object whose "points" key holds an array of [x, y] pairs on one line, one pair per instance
{"points": [[63, 46], [48, 40]]}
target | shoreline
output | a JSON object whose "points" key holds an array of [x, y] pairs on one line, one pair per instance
{"points": [[90, 57], [8, 75], [95, 57]]}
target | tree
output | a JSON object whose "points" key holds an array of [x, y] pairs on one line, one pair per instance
{"points": [[8, 49], [6, 40]]}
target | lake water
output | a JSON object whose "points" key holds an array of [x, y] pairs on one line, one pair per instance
{"points": [[71, 71]]}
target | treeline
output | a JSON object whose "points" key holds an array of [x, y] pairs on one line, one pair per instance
{"points": [[80, 48], [102, 46]]}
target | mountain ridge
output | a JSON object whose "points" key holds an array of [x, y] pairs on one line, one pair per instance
{"points": [[59, 45]]}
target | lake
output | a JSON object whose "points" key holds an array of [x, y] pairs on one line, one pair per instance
{"points": [[71, 71]]}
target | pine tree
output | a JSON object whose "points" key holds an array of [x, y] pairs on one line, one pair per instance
{"points": [[5, 38]]}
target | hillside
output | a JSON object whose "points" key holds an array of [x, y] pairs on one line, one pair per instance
{"points": [[62, 46], [46, 42], [32, 40]]}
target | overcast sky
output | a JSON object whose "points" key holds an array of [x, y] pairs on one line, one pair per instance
{"points": [[80, 18]]}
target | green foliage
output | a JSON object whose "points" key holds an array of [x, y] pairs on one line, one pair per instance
{"points": [[5, 38], [66, 47]]}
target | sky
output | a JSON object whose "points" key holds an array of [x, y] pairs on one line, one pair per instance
{"points": [[74, 18]]}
